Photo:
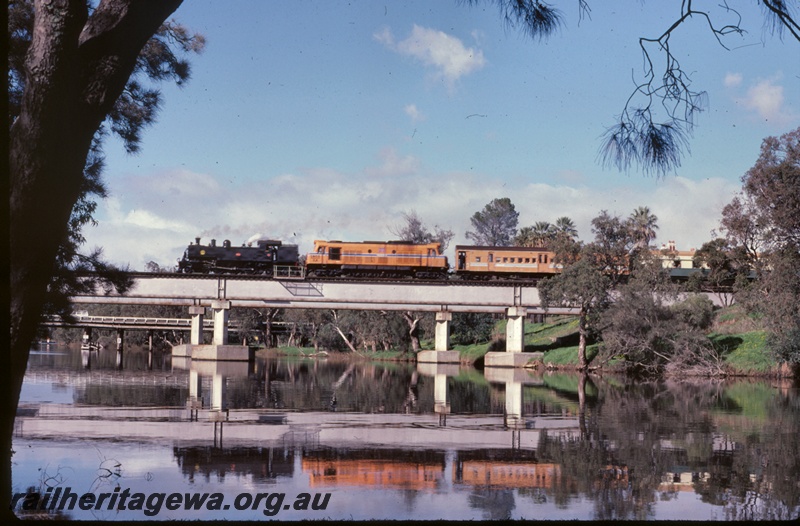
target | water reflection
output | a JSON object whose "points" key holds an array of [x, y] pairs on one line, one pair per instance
{"points": [[398, 441]]}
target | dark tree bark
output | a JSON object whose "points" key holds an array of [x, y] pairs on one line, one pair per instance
{"points": [[76, 68], [583, 333]]}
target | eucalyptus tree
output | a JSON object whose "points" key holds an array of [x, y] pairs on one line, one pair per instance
{"points": [[76, 72], [763, 222], [591, 273], [614, 246], [496, 224], [583, 286], [724, 268], [415, 231]]}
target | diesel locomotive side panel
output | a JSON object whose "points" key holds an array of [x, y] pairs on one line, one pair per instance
{"points": [[376, 259]]}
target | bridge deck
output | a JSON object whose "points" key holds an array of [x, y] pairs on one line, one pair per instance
{"points": [[249, 292]]}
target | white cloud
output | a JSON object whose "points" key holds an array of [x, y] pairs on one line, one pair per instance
{"points": [[732, 80], [326, 204], [150, 220], [412, 111], [445, 53], [766, 99]]}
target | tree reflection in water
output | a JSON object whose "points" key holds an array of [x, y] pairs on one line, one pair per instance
{"points": [[645, 442], [592, 447]]}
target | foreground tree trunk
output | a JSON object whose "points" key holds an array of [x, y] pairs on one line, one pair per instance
{"points": [[76, 68], [583, 362], [413, 330]]}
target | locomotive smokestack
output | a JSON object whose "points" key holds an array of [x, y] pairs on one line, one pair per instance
{"points": [[197, 240], [213, 242]]}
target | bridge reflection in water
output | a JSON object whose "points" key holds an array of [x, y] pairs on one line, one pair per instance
{"points": [[436, 429]]}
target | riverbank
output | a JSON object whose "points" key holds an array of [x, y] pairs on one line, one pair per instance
{"points": [[740, 347]]}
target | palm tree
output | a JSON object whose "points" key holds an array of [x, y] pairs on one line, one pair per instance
{"points": [[565, 225], [643, 225], [525, 237], [542, 232]]}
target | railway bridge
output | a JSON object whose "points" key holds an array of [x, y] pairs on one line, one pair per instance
{"points": [[221, 292]]}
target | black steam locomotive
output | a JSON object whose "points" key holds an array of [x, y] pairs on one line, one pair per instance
{"points": [[266, 257]]}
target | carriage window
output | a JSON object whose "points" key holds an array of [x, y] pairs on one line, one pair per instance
{"points": [[527, 260], [545, 258], [336, 253], [477, 259], [491, 258]]}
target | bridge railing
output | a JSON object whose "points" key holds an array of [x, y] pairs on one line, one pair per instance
{"points": [[288, 272]]}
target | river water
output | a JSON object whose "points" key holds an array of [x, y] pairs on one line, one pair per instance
{"points": [[134, 435]]}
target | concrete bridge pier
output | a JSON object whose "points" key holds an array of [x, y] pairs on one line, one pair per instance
{"points": [[443, 320], [515, 343], [515, 329], [219, 348], [441, 352], [221, 311], [196, 332]]}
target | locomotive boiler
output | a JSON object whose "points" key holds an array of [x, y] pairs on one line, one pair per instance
{"points": [[267, 256]]}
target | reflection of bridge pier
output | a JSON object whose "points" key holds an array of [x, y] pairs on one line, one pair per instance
{"points": [[219, 372], [513, 417], [440, 372]]}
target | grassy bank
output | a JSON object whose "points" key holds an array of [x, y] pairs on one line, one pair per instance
{"points": [[736, 336], [311, 353]]}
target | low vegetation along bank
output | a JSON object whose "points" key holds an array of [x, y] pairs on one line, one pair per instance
{"points": [[736, 339]]}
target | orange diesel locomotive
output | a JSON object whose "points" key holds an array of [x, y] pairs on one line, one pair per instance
{"points": [[377, 259]]}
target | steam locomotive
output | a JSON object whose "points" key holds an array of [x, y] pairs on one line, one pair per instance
{"points": [[247, 259], [368, 259]]}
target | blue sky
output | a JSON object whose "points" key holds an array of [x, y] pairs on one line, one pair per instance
{"points": [[327, 120]]}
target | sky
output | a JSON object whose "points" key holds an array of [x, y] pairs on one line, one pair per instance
{"points": [[328, 119]]}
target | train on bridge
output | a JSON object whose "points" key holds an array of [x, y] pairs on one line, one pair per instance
{"points": [[384, 260], [369, 260]]}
